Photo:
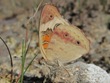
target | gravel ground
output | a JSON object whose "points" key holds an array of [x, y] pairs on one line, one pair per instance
{"points": [[92, 16]]}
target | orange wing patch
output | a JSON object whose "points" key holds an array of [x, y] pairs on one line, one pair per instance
{"points": [[45, 45], [46, 38]]}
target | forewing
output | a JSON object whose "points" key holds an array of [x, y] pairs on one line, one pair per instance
{"points": [[50, 17]]}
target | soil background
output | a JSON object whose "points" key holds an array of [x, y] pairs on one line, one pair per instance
{"points": [[92, 16]]}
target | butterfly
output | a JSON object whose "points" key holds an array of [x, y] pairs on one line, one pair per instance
{"points": [[58, 39]]}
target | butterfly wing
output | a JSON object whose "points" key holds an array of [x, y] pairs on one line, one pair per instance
{"points": [[58, 39], [50, 16]]}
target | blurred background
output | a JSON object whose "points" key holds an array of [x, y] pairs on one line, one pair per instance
{"points": [[92, 16]]}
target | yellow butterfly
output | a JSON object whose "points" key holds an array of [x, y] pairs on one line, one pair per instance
{"points": [[58, 39]]}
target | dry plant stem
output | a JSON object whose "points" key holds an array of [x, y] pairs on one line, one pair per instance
{"points": [[29, 43], [35, 12], [32, 18], [26, 37], [10, 59]]}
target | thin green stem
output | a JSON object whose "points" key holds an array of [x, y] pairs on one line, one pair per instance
{"points": [[23, 59]]}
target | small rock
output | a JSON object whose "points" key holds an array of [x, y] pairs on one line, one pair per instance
{"points": [[79, 73]]}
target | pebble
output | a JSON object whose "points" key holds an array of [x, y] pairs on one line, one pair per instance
{"points": [[80, 72]]}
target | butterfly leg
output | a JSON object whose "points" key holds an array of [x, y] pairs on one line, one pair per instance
{"points": [[62, 65]]}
